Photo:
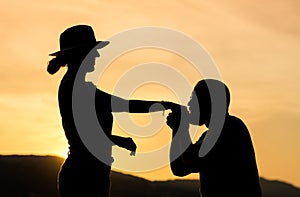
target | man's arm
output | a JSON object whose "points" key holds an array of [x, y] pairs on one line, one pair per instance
{"points": [[183, 153]]}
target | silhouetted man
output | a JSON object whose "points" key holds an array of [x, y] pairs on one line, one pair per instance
{"points": [[229, 169]]}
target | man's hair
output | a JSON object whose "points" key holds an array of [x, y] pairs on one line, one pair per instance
{"points": [[212, 87]]}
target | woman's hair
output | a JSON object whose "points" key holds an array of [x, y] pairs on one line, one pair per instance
{"points": [[73, 57], [55, 64]]}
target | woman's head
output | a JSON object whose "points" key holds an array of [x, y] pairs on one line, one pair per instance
{"points": [[75, 43]]}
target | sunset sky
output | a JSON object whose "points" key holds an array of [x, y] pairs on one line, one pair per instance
{"points": [[255, 45]]}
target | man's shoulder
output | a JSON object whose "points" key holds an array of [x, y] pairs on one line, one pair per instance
{"points": [[234, 120], [235, 123]]}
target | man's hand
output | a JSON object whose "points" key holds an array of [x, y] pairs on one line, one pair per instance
{"points": [[178, 117], [173, 120]]}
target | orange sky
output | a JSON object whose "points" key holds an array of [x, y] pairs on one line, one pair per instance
{"points": [[255, 44]]}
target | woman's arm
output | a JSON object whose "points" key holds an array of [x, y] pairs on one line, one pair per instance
{"points": [[124, 142], [140, 106], [118, 104]]}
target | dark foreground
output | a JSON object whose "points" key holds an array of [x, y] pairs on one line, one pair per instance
{"points": [[35, 176]]}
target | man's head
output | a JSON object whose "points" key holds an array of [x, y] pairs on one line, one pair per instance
{"points": [[208, 96]]}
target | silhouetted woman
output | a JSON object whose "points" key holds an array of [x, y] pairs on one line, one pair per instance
{"points": [[82, 174]]}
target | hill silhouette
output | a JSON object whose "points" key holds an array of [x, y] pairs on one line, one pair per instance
{"points": [[30, 175]]}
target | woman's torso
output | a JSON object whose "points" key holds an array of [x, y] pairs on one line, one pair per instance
{"points": [[104, 115]]}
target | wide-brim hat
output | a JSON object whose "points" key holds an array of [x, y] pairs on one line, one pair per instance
{"points": [[77, 37]]}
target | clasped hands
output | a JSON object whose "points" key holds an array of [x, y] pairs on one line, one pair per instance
{"points": [[178, 116]]}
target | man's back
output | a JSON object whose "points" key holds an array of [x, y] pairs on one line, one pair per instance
{"points": [[229, 169]]}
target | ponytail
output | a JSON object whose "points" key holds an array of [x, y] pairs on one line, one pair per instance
{"points": [[55, 64]]}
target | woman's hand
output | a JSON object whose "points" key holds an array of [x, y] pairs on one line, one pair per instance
{"points": [[170, 105], [129, 144], [126, 143]]}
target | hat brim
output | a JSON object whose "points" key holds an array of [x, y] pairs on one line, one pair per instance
{"points": [[97, 45]]}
